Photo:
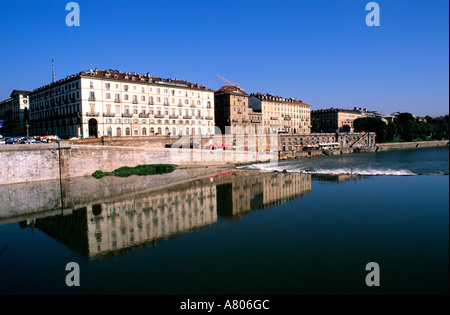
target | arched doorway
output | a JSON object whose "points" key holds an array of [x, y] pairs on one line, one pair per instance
{"points": [[93, 127]]}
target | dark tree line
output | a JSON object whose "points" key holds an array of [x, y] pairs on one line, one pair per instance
{"points": [[406, 128]]}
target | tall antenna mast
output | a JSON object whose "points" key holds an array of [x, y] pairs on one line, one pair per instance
{"points": [[53, 70]]}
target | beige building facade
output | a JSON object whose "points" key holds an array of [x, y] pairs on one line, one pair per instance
{"points": [[98, 103], [336, 120], [282, 115]]}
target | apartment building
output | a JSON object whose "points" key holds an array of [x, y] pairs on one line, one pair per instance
{"points": [[282, 115], [97, 103], [14, 113], [336, 120]]}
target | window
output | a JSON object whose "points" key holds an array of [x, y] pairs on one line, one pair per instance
{"points": [[108, 96], [118, 132], [144, 131], [127, 132], [136, 132], [158, 90], [126, 97], [107, 86], [143, 98]]}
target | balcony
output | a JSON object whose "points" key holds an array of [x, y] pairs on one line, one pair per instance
{"points": [[287, 117], [273, 118], [142, 115], [92, 114], [159, 116], [128, 115], [180, 105], [173, 116], [134, 102], [209, 118], [108, 114], [186, 117], [192, 106], [151, 103], [117, 100], [91, 99]]}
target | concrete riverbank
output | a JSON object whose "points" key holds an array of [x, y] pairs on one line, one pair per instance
{"points": [[410, 145], [36, 162]]}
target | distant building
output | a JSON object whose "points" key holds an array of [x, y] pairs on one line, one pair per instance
{"points": [[112, 103], [282, 115], [335, 119], [389, 118], [14, 113]]}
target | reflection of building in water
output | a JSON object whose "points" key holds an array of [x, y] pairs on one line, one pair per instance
{"points": [[114, 226], [239, 195], [132, 220]]}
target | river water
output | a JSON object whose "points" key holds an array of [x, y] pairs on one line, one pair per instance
{"points": [[310, 230]]}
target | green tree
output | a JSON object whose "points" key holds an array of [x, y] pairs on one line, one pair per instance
{"points": [[315, 125], [391, 131], [346, 128], [372, 124]]}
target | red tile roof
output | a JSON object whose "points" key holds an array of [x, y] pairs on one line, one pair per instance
{"points": [[230, 89]]}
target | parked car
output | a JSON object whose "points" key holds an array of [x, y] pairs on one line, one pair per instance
{"points": [[2, 141], [9, 141]]}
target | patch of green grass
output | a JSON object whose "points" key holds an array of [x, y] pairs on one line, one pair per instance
{"points": [[140, 170]]}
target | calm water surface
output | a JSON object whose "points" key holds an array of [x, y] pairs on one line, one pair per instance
{"points": [[243, 233]]}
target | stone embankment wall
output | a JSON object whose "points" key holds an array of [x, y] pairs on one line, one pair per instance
{"points": [[410, 145], [27, 163]]}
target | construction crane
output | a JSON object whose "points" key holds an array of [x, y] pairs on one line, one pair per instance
{"points": [[238, 86]]}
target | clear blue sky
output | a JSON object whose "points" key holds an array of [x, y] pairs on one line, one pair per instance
{"points": [[320, 51]]}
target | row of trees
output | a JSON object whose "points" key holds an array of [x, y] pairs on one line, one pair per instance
{"points": [[406, 128]]}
